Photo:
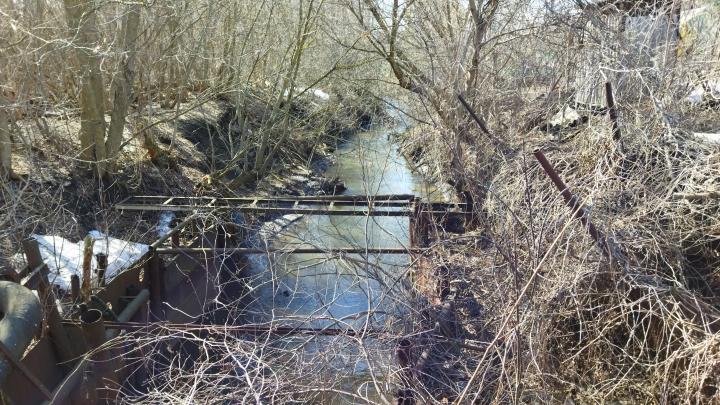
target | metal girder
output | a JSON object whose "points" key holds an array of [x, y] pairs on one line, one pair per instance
{"points": [[336, 251], [235, 329], [400, 205]]}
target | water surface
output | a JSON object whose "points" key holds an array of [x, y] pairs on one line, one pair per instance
{"points": [[358, 291]]}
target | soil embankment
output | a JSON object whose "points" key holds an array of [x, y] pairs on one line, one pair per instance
{"points": [[192, 149]]}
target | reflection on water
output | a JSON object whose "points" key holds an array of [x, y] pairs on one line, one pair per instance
{"points": [[358, 291]]}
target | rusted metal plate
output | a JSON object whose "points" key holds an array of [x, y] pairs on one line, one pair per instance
{"points": [[127, 283], [43, 363]]}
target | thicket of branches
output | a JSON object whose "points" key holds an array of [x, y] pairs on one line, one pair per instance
{"points": [[561, 321], [558, 320]]}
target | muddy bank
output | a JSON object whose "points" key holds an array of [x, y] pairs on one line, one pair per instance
{"points": [[180, 151]]}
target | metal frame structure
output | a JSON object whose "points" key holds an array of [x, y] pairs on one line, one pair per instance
{"points": [[394, 205], [137, 294]]}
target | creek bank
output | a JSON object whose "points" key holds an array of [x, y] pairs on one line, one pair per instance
{"points": [[453, 320], [170, 152]]}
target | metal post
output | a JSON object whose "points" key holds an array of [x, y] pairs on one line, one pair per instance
{"points": [[469, 209], [573, 202], [93, 329], [612, 111], [175, 238], [154, 269], [102, 264], [412, 229], [423, 224], [419, 224], [75, 287]]}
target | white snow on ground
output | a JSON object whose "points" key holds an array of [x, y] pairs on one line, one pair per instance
{"points": [[163, 227], [696, 96], [64, 258], [707, 137], [317, 93], [565, 117], [321, 94], [699, 94]]}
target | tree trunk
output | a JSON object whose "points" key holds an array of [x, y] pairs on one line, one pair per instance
{"points": [[81, 20], [122, 84]]}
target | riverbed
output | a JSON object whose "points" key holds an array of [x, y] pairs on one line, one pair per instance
{"points": [[359, 292]]}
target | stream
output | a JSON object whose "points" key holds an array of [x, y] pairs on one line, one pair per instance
{"points": [[369, 292]]}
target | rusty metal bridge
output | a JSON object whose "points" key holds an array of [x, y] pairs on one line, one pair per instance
{"points": [[393, 205], [421, 214], [137, 297]]}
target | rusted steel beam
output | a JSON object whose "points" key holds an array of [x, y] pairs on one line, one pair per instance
{"points": [[481, 123], [250, 251], [573, 202], [612, 111], [75, 287], [423, 219], [377, 212], [239, 329], [353, 206], [164, 200]]}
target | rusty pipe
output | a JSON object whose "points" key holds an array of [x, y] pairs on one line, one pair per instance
{"points": [[612, 111], [93, 328], [572, 201]]}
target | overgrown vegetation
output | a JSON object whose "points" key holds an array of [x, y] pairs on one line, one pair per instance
{"points": [[101, 100]]}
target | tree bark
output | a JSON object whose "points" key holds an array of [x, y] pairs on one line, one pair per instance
{"points": [[81, 20], [122, 84]]}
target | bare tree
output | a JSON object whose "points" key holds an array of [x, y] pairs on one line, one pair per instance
{"points": [[123, 82], [81, 17]]}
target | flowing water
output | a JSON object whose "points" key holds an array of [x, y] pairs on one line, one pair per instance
{"points": [[358, 291]]}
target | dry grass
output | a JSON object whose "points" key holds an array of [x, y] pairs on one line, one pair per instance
{"points": [[562, 322]]}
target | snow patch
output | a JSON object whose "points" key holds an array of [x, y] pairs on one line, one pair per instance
{"points": [[565, 117], [163, 226], [321, 94], [708, 137], [698, 94], [64, 258]]}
